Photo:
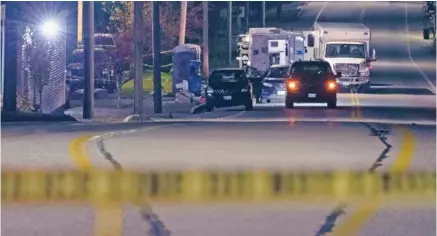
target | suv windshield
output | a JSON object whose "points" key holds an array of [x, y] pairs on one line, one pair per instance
{"points": [[227, 76], [345, 50], [315, 68], [278, 72], [100, 56]]}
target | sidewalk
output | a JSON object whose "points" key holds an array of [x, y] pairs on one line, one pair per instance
{"points": [[105, 110]]}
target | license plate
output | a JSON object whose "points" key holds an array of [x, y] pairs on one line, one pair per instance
{"points": [[311, 95], [281, 92], [227, 97], [346, 84]]}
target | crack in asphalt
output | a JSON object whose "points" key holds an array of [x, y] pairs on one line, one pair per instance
{"points": [[108, 156], [382, 134], [157, 226]]}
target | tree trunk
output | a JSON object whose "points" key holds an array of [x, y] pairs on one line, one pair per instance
{"points": [[119, 79], [41, 88], [34, 95]]}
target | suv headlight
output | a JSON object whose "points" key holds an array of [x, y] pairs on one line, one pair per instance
{"points": [[365, 72], [267, 84], [209, 90]]}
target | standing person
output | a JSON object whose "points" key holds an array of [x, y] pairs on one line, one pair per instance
{"points": [[256, 81]]}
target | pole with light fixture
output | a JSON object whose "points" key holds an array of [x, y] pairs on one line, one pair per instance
{"points": [[2, 49], [229, 33], [79, 21], [205, 39], [88, 43], [138, 58], [156, 31]]}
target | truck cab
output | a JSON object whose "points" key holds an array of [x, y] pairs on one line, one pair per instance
{"points": [[346, 46]]}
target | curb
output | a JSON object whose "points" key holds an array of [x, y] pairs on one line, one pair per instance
{"points": [[133, 118], [307, 120], [35, 118]]}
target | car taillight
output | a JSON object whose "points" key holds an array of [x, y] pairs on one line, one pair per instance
{"points": [[292, 84], [331, 85]]}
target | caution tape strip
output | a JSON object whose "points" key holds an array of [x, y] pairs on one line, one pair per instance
{"points": [[209, 186]]}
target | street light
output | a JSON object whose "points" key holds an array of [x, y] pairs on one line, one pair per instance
{"points": [[50, 29]]}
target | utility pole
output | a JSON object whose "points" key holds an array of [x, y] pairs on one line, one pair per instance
{"points": [[88, 40], [229, 33], [79, 21], [246, 14], [157, 95], [11, 54], [263, 13], [205, 41], [183, 22], [2, 48], [138, 58]]}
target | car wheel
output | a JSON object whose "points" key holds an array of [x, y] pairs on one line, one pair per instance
{"points": [[289, 104], [209, 108], [332, 104], [249, 106]]}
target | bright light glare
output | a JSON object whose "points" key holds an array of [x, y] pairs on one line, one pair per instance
{"points": [[332, 85], [292, 85], [50, 29]]}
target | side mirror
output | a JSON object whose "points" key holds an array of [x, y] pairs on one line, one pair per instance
{"points": [[338, 74], [426, 34], [373, 55]]}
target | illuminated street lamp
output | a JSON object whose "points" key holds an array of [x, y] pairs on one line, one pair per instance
{"points": [[50, 29]]}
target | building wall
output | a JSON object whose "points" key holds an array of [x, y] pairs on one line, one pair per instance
{"points": [[54, 93]]}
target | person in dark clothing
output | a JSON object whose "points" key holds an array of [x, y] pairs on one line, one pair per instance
{"points": [[256, 81]]}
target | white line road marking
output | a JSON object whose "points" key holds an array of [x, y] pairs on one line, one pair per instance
{"points": [[407, 31], [320, 12], [363, 13]]}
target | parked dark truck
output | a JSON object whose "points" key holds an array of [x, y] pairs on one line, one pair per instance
{"points": [[228, 87], [104, 64]]}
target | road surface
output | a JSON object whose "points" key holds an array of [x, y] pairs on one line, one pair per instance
{"points": [[404, 82]]}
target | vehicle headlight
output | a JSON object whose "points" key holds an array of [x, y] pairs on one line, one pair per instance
{"points": [[209, 90], [267, 84], [365, 72], [246, 39]]}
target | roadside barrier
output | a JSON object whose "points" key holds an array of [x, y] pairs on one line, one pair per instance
{"points": [[211, 186]]}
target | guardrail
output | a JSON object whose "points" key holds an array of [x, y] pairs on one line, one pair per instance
{"points": [[119, 187]]}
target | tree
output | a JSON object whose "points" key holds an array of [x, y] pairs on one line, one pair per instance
{"points": [[37, 51], [121, 21]]}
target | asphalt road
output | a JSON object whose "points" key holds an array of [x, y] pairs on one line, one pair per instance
{"points": [[404, 78]]}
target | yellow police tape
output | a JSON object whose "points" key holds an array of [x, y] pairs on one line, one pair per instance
{"points": [[210, 186]]}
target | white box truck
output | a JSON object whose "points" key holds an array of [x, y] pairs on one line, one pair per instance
{"points": [[264, 47], [346, 46]]}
